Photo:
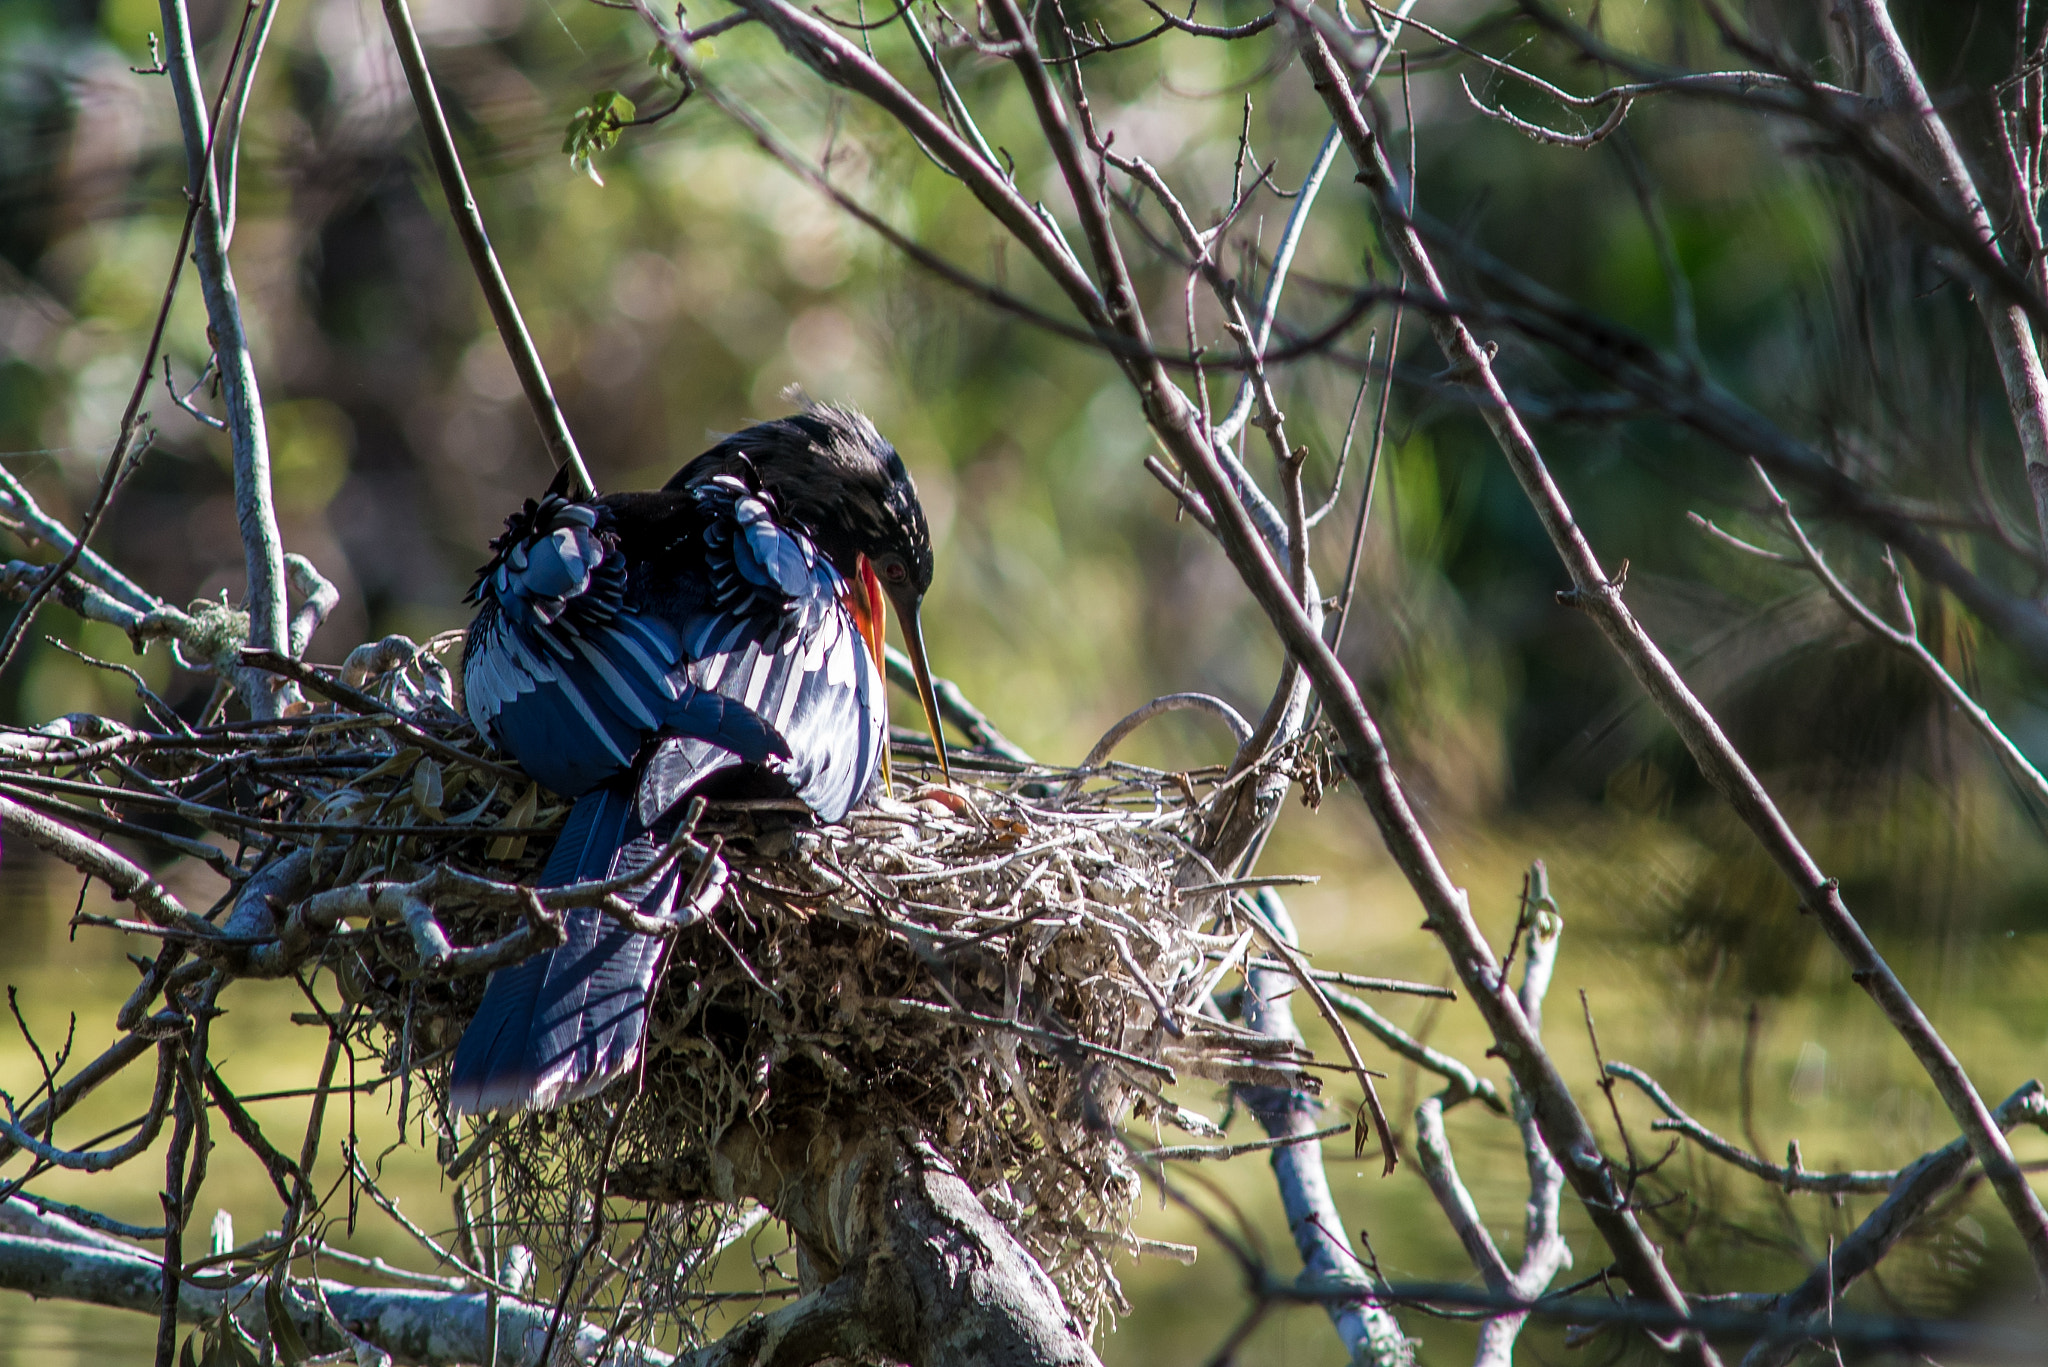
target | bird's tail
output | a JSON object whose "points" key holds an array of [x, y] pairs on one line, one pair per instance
{"points": [[562, 1025]]}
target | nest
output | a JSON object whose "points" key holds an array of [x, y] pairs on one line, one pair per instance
{"points": [[1011, 969]]}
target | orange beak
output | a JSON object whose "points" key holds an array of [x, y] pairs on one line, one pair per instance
{"points": [[871, 614]]}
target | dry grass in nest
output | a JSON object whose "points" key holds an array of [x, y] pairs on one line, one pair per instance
{"points": [[998, 979], [1011, 970]]}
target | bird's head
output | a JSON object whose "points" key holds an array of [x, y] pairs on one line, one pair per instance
{"points": [[832, 474]]}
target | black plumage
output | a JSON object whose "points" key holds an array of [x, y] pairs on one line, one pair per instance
{"points": [[629, 649]]}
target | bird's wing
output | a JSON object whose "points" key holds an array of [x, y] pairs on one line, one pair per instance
{"points": [[775, 636], [561, 674]]}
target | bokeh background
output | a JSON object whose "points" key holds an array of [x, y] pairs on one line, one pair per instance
{"points": [[682, 295]]}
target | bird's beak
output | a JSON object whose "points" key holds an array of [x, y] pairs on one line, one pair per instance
{"points": [[871, 617], [913, 641]]}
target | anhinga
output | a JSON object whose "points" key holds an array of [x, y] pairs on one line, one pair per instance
{"points": [[721, 633]]}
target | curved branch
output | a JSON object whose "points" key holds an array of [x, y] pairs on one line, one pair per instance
{"points": [[101, 1160], [1791, 1178], [317, 598], [1919, 1185], [118, 1056], [1240, 729], [1592, 138]]}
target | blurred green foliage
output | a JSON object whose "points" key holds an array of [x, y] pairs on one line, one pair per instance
{"points": [[681, 295]]}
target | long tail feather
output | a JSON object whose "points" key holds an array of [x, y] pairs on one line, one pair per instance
{"points": [[563, 1025]]}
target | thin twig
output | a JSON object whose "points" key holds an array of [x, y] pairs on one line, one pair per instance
{"points": [[1189, 1152], [1723, 765], [1907, 642], [1787, 1178]]}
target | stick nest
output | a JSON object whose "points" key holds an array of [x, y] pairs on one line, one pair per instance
{"points": [[1011, 969]]}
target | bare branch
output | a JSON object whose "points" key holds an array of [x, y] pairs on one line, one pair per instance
{"points": [[184, 400], [1465, 1084], [358, 701], [819, 46], [1682, 393], [90, 565], [1790, 1178], [1440, 1171], [1185, 1152], [1723, 766], [101, 1160], [1240, 729], [317, 598], [469, 225], [1908, 643], [254, 945], [118, 1056], [120, 461], [1545, 1252], [1370, 1333], [1900, 1334], [1948, 178], [421, 1327], [255, 506], [127, 881], [1233, 422], [1918, 1186]]}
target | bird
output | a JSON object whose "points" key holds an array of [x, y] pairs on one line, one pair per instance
{"points": [[721, 635]]}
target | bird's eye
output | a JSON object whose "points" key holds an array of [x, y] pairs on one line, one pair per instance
{"points": [[894, 571]]}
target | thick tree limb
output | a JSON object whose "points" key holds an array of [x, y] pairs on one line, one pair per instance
{"points": [[901, 1261], [128, 882], [417, 1327], [1369, 1332]]}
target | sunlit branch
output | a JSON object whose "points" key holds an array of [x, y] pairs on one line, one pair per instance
{"points": [[1723, 766]]}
